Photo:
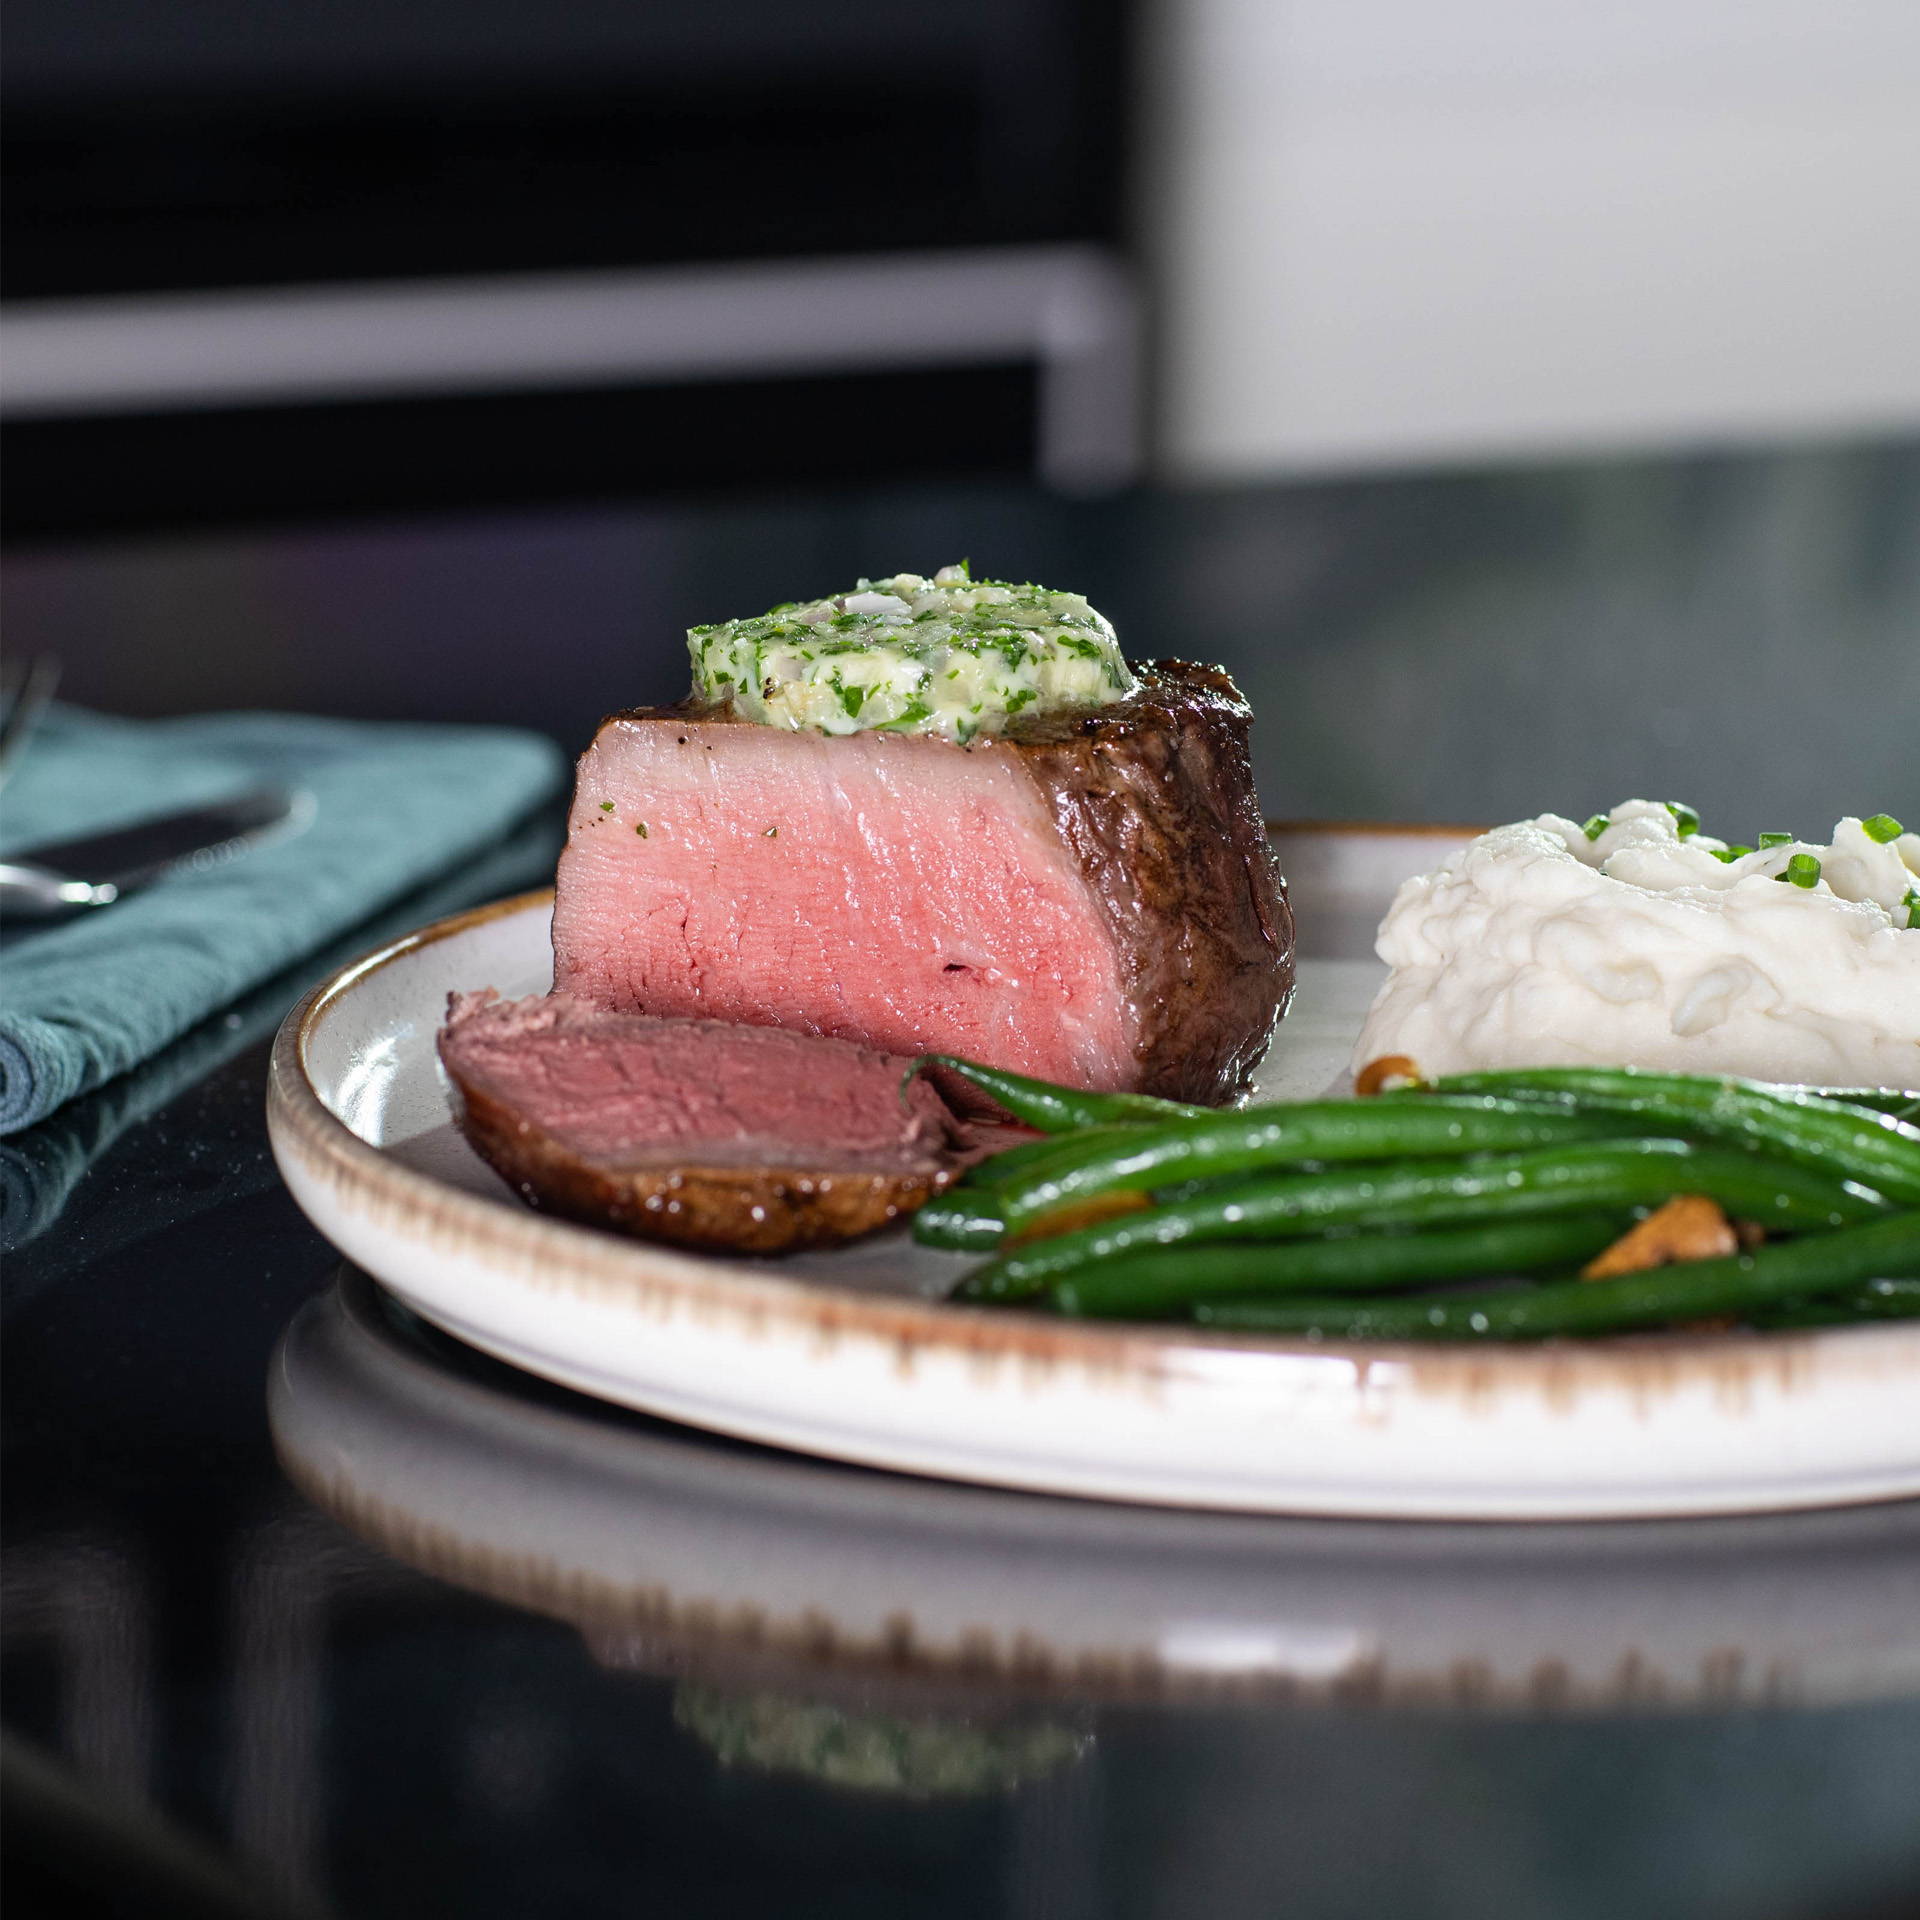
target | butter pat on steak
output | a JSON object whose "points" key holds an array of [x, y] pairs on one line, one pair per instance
{"points": [[1088, 897]]}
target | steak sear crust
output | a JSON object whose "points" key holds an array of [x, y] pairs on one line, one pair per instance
{"points": [[1155, 797]]}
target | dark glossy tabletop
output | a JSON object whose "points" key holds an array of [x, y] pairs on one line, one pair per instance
{"points": [[222, 1694]]}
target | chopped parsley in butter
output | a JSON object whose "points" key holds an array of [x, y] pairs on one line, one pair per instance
{"points": [[950, 656]]}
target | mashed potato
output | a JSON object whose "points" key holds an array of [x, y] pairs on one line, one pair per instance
{"points": [[1636, 940]]}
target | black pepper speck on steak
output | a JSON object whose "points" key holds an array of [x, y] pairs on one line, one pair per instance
{"points": [[1090, 898]]}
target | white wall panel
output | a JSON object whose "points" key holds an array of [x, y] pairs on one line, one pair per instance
{"points": [[1395, 232]]}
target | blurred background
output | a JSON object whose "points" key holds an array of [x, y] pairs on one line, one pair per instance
{"points": [[1523, 402]]}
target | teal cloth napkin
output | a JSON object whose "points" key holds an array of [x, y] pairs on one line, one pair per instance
{"points": [[392, 805]]}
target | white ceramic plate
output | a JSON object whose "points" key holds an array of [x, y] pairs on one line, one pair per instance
{"points": [[855, 1355]]}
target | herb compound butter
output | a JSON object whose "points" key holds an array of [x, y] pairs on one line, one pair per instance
{"points": [[950, 656], [1637, 940]]}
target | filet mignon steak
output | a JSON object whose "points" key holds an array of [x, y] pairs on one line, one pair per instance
{"points": [[737, 1138], [1089, 897]]}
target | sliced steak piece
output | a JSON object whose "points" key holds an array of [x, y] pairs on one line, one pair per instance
{"points": [[1090, 898], [693, 1131]]}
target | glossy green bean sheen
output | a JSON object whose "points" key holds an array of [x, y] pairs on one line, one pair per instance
{"points": [[1815, 1266], [999, 1168], [1903, 1106], [961, 1220], [1585, 1178], [1220, 1145], [1826, 1135], [967, 1218], [1876, 1300], [1166, 1280], [1051, 1108]]}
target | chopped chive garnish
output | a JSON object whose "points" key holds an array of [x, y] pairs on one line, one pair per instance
{"points": [[1689, 821], [1596, 825], [640, 827], [1728, 855], [1912, 905], [1803, 870], [1775, 840], [1882, 827]]}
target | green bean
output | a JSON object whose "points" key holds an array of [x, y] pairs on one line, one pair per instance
{"points": [[1877, 1300], [962, 1220], [1053, 1109], [1817, 1265], [1142, 1159], [998, 1168], [1903, 1104], [1854, 1143], [1424, 1193], [967, 1217], [1151, 1285]]}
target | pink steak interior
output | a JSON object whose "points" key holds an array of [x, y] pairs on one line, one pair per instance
{"points": [[897, 891], [624, 1090]]}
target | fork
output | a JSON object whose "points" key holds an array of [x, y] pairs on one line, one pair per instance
{"points": [[24, 693]]}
